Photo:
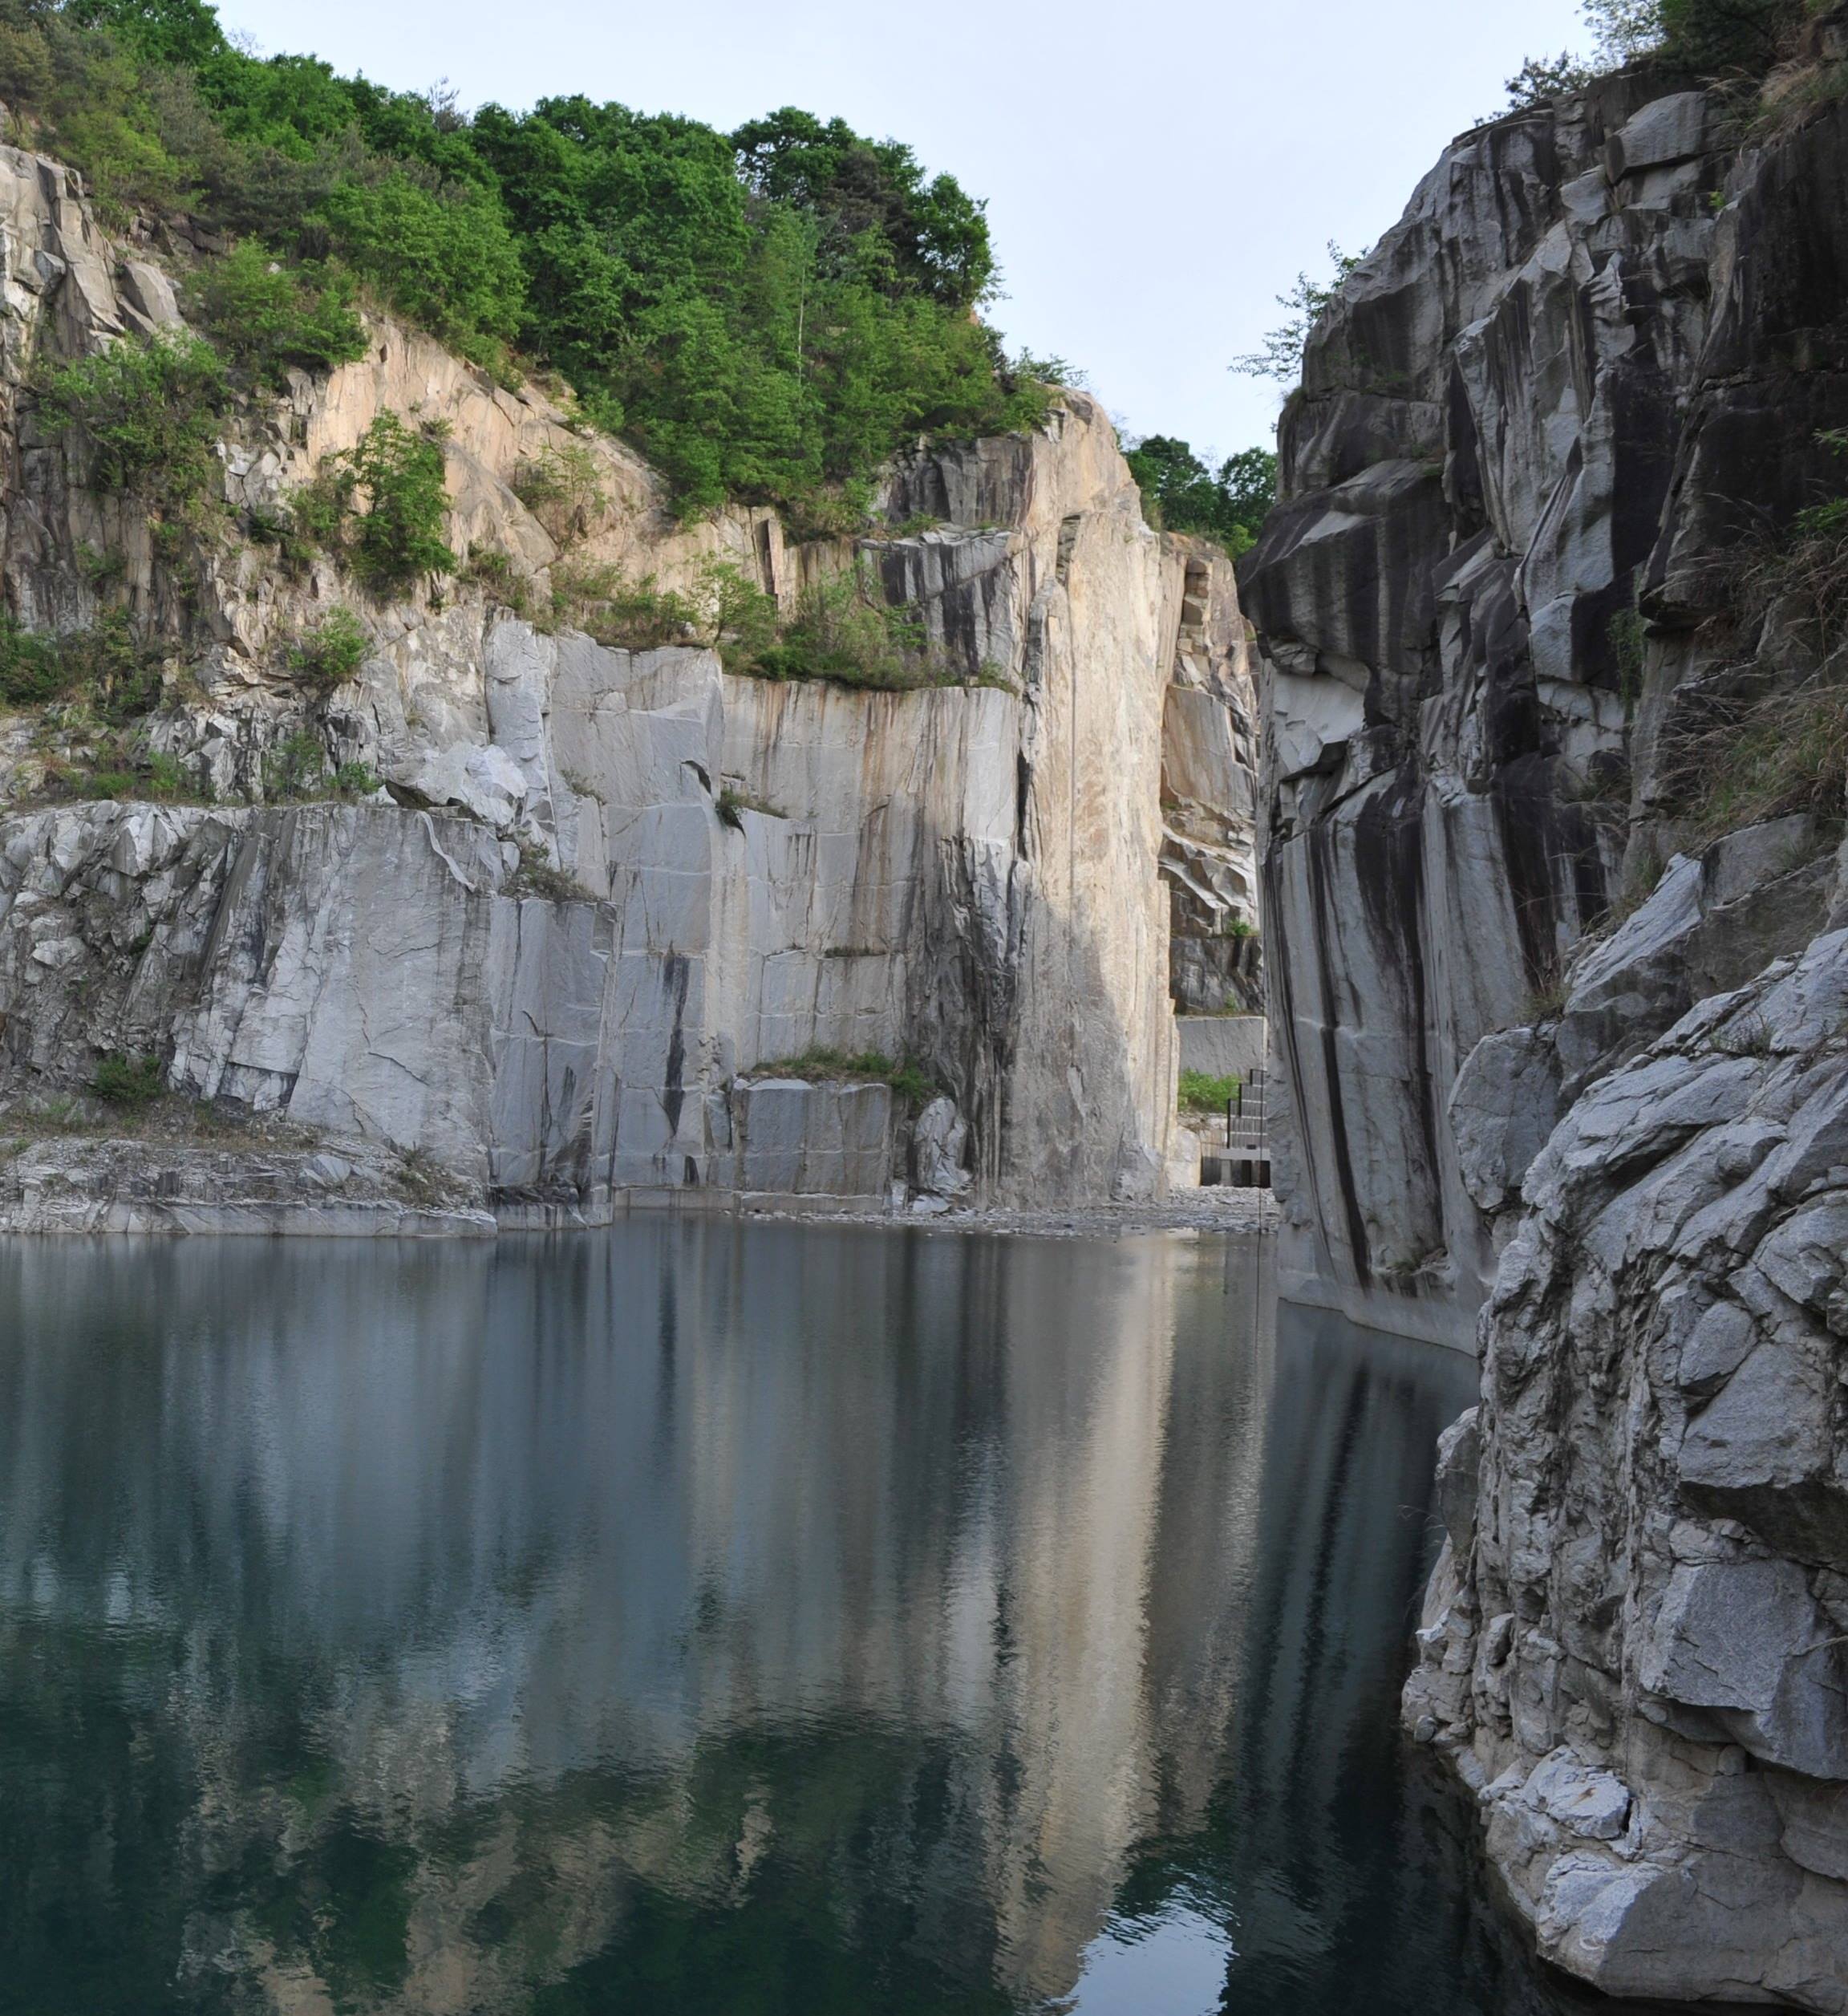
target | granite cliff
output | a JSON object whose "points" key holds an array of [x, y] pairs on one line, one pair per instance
{"points": [[568, 940], [1554, 669]]}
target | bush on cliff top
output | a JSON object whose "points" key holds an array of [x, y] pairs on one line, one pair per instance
{"points": [[1698, 40], [1181, 494], [271, 317], [768, 313]]}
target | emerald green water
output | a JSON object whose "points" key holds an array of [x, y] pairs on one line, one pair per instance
{"points": [[695, 1618]]}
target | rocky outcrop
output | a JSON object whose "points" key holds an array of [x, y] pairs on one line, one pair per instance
{"points": [[598, 906], [1535, 1075], [1635, 1645], [1599, 348]]}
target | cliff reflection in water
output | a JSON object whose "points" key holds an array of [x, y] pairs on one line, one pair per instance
{"points": [[699, 1618]]}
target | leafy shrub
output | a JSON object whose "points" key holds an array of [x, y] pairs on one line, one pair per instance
{"points": [[1281, 355], [123, 766], [732, 805], [1201, 1093], [1697, 38], [1756, 743], [32, 668], [602, 601], [822, 1065], [504, 582], [148, 408], [297, 768], [129, 1081], [269, 317], [398, 473], [536, 876], [1623, 30], [563, 488], [733, 614], [445, 257], [106, 666], [844, 631], [330, 654], [1712, 38], [1763, 750], [1541, 79], [768, 313]]}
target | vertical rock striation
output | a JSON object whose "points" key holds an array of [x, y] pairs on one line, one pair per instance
{"points": [[606, 902], [1595, 354], [1560, 1050]]}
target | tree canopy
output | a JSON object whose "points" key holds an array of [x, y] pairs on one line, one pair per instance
{"points": [[767, 314], [1181, 494]]}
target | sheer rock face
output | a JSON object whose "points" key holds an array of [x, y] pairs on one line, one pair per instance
{"points": [[1597, 351], [601, 889], [1209, 762], [1635, 1644], [1598, 347]]}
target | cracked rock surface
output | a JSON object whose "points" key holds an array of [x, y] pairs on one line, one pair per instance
{"points": [[1636, 1643]]}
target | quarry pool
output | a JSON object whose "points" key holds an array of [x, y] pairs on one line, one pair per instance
{"points": [[706, 1618]]}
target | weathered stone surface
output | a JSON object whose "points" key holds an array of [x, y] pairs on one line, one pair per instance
{"points": [[1654, 1582], [160, 1188], [1506, 1100], [968, 876], [1223, 1046], [1711, 924], [939, 1147], [1210, 760], [1598, 343]]}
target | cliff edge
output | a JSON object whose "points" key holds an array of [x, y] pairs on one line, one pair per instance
{"points": [[478, 919]]}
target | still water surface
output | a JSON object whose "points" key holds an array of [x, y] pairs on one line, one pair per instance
{"points": [[764, 1621]]}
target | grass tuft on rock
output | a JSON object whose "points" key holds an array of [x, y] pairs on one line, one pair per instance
{"points": [[823, 1066], [125, 1081]]}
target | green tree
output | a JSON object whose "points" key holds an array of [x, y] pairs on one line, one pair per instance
{"points": [[147, 408], [1712, 38], [1281, 355], [269, 316], [767, 314], [170, 31], [1181, 494], [397, 472], [444, 256]]}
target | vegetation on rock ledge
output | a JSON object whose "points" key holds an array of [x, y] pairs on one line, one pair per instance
{"points": [[768, 313], [1181, 494]]}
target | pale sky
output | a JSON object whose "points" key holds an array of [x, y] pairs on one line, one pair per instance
{"points": [[1155, 176]]}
